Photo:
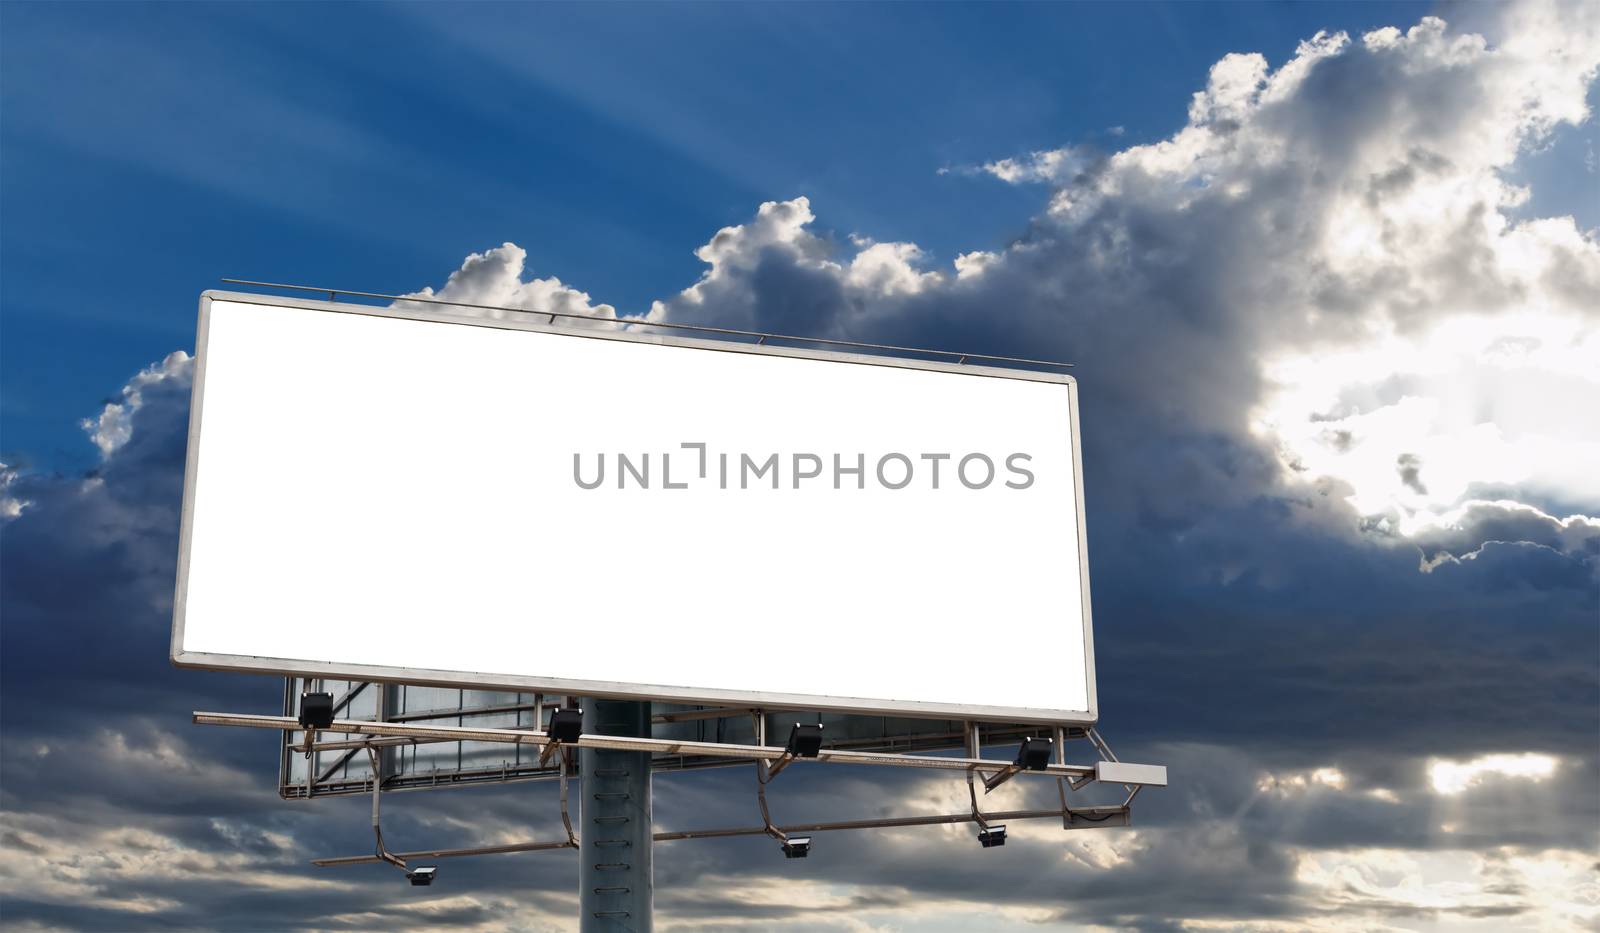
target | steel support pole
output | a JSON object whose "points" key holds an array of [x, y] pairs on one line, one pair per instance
{"points": [[616, 888]]}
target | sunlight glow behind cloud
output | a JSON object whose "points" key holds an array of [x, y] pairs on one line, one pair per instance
{"points": [[1328, 777], [1453, 777], [1413, 423]]}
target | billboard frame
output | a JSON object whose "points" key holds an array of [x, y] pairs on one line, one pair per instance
{"points": [[625, 330]]}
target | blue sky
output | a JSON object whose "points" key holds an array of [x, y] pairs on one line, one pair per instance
{"points": [[1329, 272], [150, 149]]}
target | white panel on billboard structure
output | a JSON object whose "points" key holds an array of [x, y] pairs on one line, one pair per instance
{"points": [[403, 494]]}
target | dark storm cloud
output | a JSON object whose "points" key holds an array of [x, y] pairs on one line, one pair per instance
{"points": [[1220, 846], [1575, 538], [1410, 468], [86, 573]]}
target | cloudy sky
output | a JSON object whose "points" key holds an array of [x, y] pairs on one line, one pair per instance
{"points": [[1330, 275]]}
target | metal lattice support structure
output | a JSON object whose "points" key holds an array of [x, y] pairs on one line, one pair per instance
{"points": [[632, 782], [430, 764]]}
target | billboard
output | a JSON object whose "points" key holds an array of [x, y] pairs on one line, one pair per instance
{"points": [[410, 494]]}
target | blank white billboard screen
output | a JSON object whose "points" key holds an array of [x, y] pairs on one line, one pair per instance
{"points": [[421, 495]]}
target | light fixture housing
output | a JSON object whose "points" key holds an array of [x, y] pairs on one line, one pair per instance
{"points": [[566, 725], [423, 876], [1034, 755], [805, 740], [316, 710], [797, 847], [991, 837]]}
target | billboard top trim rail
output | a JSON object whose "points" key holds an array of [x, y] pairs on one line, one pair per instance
{"points": [[760, 337]]}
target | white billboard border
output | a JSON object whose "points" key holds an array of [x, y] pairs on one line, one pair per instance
{"points": [[706, 696]]}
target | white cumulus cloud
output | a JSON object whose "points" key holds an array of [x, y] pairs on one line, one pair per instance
{"points": [[494, 278], [114, 425]]}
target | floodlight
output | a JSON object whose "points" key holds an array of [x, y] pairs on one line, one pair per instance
{"points": [[316, 710], [797, 847], [1034, 754], [991, 837], [805, 740], [422, 877], [566, 725]]}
